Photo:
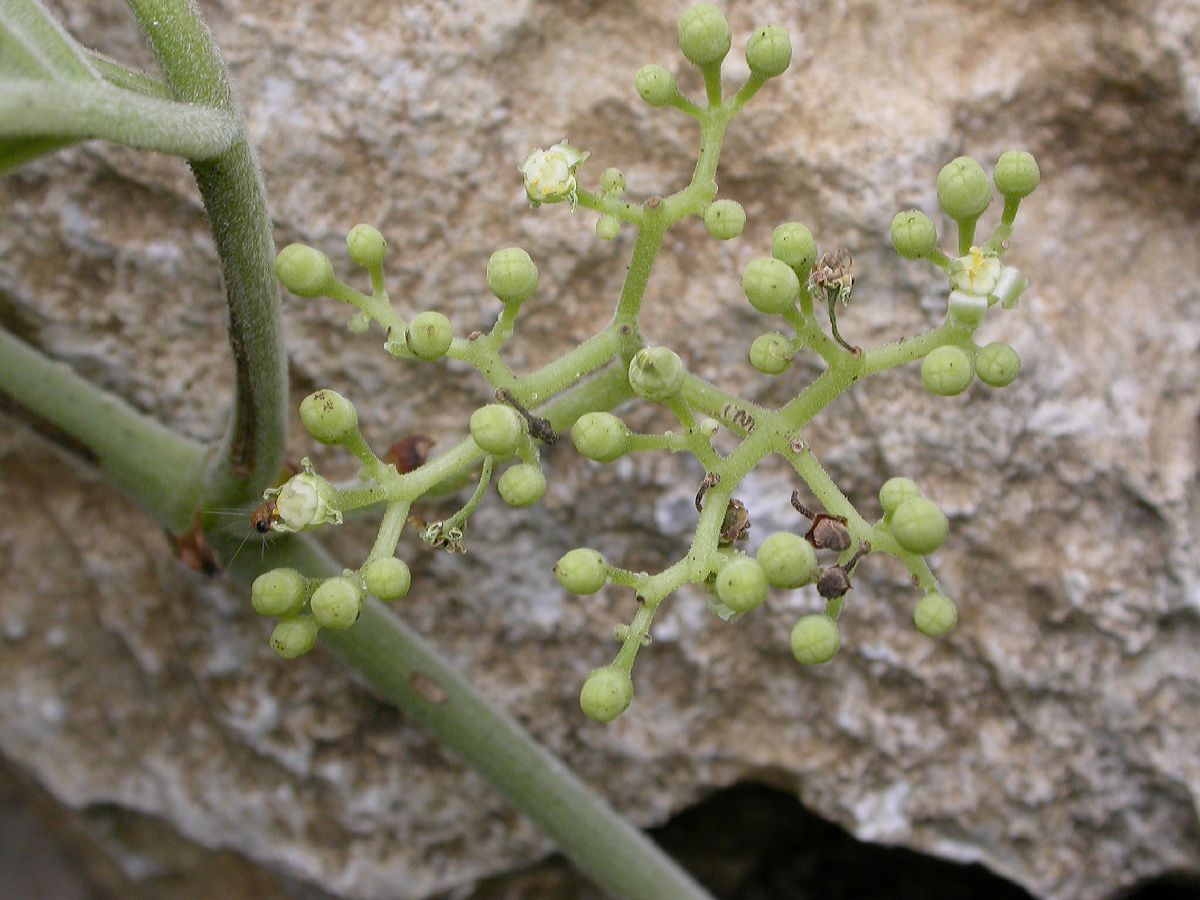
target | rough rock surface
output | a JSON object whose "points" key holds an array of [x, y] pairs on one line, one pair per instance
{"points": [[1055, 735]]}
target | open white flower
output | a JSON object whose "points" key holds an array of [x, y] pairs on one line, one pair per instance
{"points": [[304, 501], [550, 174], [976, 273]]}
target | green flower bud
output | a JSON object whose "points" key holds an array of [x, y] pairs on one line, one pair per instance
{"points": [[279, 592], [919, 526], [1016, 174], [815, 639], [367, 246], [522, 485], [388, 578], [704, 35], [997, 365], [935, 614], [582, 571], [963, 190], [304, 271], [430, 335], [742, 584], [656, 85], [600, 436], [769, 51], [612, 181], [792, 243], [895, 491], [608, 228], [770, 285], [771, 353], [725, 219], [328, 416], [656, 373], [787, 560], [913, 234], [511, 275], [497, 429], [947, 371], [336, 603], [294, 636], [606, 693]]}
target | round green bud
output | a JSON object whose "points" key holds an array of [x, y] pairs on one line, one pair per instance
{"points": [[294, 636], [511, 275], [336, 603], [612, 181], [655, 85], [919, 526], [608, 227], [913, 234], [725, 219], [704, 35], [600, 436], [581, 571], [388, 578], [792, 243], [815, 639], [742, 584], [328, 416], [771, 353], [656, 373], [366, 245], [279, 592], [770, 285], [997, 365], [1016, 174], [769, 51], [497, 429], [606, 693], [935, 614], [963, 190], [947, 371], [895, 491], [430, 335], [304, 271], [522, 485], [787, 560]]}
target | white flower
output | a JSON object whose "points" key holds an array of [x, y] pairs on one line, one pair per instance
{"points": [[550, 174], [304, 501], [975, 273]]}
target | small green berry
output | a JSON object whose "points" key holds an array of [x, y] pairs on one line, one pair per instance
{"points": [[1016, 174], [913, 234], [497, 429], [742, 584], [608, 227], [294, 636], [612, 181], [656, 373], [430, 335], [769, 51], [770, 285], [792, 243], [704, 35], [279, 592], [724, 219], [963, 190], [947, 371], [328, 416], [388, 578], [511, 275], [997, 365], [771, 353], [919, 526], [366, 245], [895, 491], [656, 85], [935, 614], [582, 571], [304, 271], [815, 639], [600, 436], [522, 485], [606, 693], [336, 603], [787, 560]]}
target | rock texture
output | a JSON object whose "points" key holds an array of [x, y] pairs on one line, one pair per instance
{"points": [[1055, 736]]}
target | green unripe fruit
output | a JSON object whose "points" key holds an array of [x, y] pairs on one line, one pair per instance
{"points": [[336, 604], [787, 560], [770, 285], [522, 485], [511, 275], [771, 353], [947, 371], [895, 491], [1016, 174], [497, 429], [606, 693], [328, 416], [919, 526], [997, 365], [963, 190], [725, 219], [655, 85], [935, 614], [913, 234], [608, 228], [367, 246], [430, 335], [742, 584], [582, 571], [612, 181], [656, 373], [294, 636], [304, 271], [792, 243], [388, 578], [769, 51], [600, 436], [815, 639], [704, 35], [279, 592]]}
